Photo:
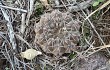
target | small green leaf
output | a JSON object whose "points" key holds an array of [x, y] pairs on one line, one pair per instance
{"points": [[95, 3], [100, 0], [72, 55]]}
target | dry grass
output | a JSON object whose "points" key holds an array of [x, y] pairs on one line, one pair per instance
{"points": [[17, 23]]}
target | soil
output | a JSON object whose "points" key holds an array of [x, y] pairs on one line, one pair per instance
{"points": [[94, 62]]}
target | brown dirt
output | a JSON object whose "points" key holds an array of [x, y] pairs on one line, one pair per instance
{"points": [[94, 62]]}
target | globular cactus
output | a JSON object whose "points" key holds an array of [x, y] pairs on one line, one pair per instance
{"points": [[57, 33]]}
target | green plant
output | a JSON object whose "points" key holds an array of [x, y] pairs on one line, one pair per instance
{"points": [[72, 55], [39, 9], [96, 2]]}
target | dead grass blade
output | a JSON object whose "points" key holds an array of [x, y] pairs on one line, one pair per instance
{"points": [[101, 7], [10, 28], [17, 9], [18, 36], [100, 48]]}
